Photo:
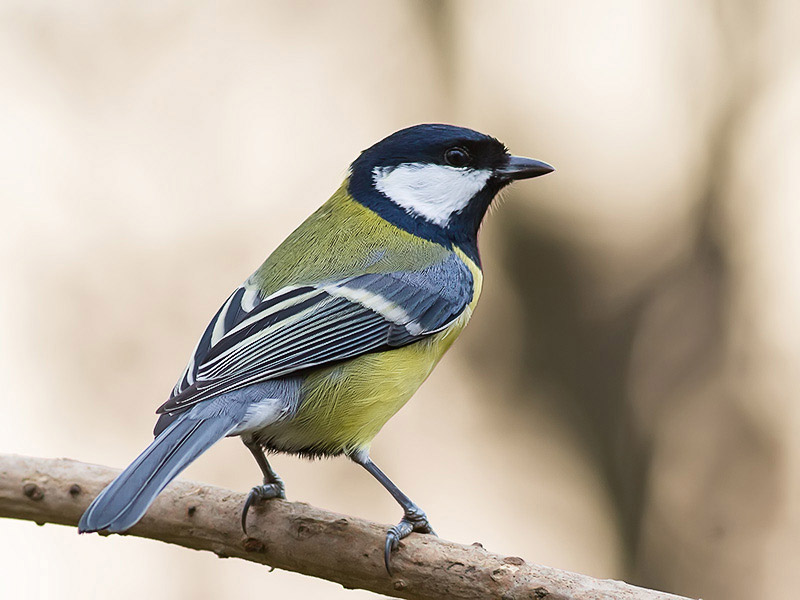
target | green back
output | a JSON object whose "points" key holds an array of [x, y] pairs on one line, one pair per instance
{"points": [[343, 238]]}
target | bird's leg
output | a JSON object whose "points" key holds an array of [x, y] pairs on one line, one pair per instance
{"points": [[414, 519], [272, 487]]}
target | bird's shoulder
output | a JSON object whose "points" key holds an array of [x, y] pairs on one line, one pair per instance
{"points": [[343, 238]]}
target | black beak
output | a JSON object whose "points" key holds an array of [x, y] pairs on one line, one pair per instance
{"points": [[517, 167]]}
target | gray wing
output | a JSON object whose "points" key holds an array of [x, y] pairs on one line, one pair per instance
{"points": [[253, 339]]}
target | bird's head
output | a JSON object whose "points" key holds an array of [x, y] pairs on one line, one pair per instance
{"points": [[437, 180]]}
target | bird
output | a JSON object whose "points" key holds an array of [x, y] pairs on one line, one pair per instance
{"points": [[340, 325]]}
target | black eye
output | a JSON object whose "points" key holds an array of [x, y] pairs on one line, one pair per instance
{"points": [[457, 157]]}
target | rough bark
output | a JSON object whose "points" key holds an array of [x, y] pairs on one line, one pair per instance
{"points": [[301, 538]]}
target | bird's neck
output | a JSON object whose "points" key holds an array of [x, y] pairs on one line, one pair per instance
{"points": [[461, 231]]}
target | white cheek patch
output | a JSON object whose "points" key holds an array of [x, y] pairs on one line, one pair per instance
{"points": [[434, 192]]}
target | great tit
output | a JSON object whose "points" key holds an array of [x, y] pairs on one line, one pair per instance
{"points": [[331, 336]]}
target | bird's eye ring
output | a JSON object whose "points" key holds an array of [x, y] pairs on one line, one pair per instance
{"points": [[457, 157]]}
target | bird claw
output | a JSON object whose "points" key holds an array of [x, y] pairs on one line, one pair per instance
{"points": [[262, 492], [413, 520]]}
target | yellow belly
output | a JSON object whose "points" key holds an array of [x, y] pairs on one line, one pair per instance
{"points": [[344, 406]]}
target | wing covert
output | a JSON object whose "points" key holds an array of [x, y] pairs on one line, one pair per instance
{"points": [[304, 326]]}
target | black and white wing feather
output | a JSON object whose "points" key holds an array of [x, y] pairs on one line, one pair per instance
{"points": [[252, 339]]}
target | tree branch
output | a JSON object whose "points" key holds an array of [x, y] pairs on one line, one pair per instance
{"points": [[298, 537]]}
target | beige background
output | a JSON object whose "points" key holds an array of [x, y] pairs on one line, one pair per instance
{"points": [[625, 401]]}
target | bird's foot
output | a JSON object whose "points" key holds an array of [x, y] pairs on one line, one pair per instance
{"points": [[413, 520], [274, 489]]}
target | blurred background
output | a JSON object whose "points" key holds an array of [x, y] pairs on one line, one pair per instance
{"points": [[624, 403]]}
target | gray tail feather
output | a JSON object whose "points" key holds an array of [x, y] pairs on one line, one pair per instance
{"points": [[124, 501]]}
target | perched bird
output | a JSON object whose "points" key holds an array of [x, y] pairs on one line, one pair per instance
{"points": [[331, 336]]}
